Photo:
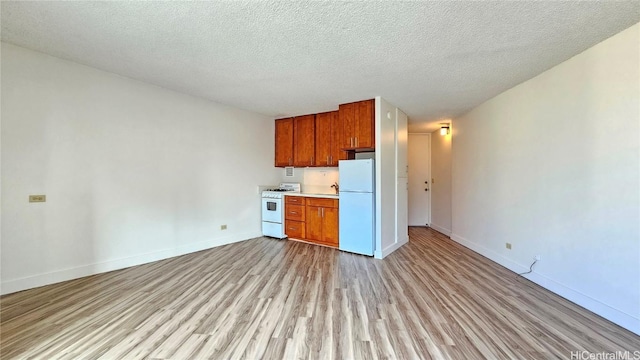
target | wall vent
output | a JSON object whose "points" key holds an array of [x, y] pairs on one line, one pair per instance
{"points": [[288, 171]]}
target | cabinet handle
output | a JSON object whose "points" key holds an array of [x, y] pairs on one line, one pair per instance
{"points": [[330, 159], [293, 212], [351, 141]]}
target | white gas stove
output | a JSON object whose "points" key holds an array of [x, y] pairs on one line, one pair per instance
{"points": [[273, 209]]}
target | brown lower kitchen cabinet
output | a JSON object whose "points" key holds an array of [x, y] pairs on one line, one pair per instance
{"points": [[294, 229], [294, 217], [316, 221], [322, 221]]}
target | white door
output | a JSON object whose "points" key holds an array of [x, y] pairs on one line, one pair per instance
{"points": [[401, 211], [419, 154]]}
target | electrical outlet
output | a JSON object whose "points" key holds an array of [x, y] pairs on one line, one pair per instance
{"points": [[537, 258], [223, 227], [508, 245], [37, 198]]}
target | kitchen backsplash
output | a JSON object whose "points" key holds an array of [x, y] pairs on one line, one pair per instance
{"points": [[314, 180]]}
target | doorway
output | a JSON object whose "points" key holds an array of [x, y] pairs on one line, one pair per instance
{"points": [[419, 160]]}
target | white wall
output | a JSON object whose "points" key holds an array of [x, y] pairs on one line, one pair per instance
{"points": [[132, 172], [441, 186], [314, 180], [386, 179], [402, 181], [553, 167]]}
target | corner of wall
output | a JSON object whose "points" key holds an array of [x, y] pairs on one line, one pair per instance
{"points": [[623, 319], [53, 277]]}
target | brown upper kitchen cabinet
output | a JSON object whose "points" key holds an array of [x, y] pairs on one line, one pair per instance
{"points": [[328, 145], [284, 142], [304, 140], [365, 115], [336, 140], [346, 113], [358, 125], [326, 138]]}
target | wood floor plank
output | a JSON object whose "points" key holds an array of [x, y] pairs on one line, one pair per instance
{"points": [[273, 299]]}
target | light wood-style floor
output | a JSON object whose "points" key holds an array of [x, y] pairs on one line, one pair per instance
{"points": [[271, 299]]}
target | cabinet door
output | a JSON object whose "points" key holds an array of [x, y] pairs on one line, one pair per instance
{"points": [[346, 115], [324, 145], [314, 223], [295, 200], [330, 226], [284, 142], [336, 140], [294, 229], [294, 212], [321, 202], [304, 144], [365, 134]]}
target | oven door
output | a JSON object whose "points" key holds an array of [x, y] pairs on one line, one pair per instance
{"points": [[272, 210]]}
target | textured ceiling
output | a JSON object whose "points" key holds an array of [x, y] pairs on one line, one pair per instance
{"points": [[434, 60]]}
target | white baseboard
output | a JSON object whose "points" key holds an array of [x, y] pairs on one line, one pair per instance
{"points": [[389, 249], [616, 316], [440, 229], [29, 282]]}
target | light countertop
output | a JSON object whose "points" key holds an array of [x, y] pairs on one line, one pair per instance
{"points": [[329, 196]]}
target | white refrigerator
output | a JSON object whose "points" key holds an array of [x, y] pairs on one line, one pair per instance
{"points": [[357, 206]]}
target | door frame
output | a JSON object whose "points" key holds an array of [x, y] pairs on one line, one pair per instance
{"points": [[428, 135]]}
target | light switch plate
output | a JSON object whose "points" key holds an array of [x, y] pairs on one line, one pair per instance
{"points": [[37, 198]]}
